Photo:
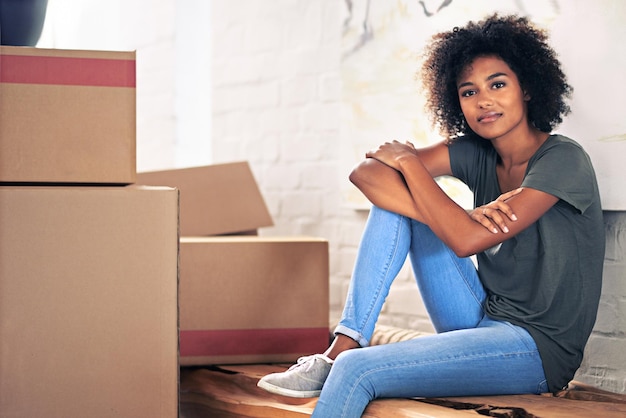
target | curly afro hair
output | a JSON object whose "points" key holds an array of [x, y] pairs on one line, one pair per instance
{"points": [[513, 39]]}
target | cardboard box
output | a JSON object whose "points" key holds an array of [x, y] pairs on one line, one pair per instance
{"points": [[252, 299], [216, 199], [67, 116], [88, 302]]}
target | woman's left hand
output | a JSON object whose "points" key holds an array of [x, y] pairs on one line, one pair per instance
{"points": [[492, 215]]}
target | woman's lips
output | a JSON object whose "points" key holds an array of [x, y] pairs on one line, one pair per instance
{"points": [[489, 117]]}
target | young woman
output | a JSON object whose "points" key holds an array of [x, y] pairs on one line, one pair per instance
{"points": [[520, 321]]}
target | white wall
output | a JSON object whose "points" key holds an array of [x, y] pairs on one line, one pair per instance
{"points": [[192, 69], [277, 102]]}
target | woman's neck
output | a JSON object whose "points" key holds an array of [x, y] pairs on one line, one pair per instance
{"points": [[517, 150], [514, 156]]}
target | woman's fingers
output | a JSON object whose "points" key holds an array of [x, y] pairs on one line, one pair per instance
{"points": [[495, 215], [480, 215], [501, 205]]}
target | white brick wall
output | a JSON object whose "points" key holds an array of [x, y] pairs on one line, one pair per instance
{"points": [[290, 135], [276, 102], [605, 356]]}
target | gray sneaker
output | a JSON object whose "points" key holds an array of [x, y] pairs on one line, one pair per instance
{"points": [[302, 380]]}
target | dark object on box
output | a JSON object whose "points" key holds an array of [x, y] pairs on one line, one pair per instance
{"points": [[21, 21]]}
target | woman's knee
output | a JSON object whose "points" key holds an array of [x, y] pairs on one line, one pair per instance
{"points": [[347, 360], [353, 368]]}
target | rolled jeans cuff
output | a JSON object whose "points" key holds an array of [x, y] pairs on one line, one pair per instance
{"points": [[341, 329]]}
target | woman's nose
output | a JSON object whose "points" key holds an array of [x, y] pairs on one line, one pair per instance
{"points": [[485, 101]]}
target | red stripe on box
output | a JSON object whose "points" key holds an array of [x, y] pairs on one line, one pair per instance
{"points": [[24, 69], [253, 341]]}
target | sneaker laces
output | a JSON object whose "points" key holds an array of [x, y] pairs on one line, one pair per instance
{"points": [[306, 362]]}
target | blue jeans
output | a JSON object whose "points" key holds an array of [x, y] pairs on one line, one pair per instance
{"points": [[471, 354]]}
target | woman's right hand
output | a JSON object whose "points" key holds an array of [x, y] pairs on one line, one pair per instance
{"points": [[493, 215]]}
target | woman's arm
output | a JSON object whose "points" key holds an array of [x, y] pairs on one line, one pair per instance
{"points": [[385, 186], [396, 178]]}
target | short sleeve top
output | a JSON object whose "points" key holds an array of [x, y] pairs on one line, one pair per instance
{"points": [[548, 277]]}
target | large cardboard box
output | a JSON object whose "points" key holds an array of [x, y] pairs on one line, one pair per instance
{"points": [[67, 116], [88, 302], [252, 299], [243, 298], [216, 199]]}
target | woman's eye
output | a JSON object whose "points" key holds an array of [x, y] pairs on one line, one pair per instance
{"points": [[498, 84], [467, 93]]}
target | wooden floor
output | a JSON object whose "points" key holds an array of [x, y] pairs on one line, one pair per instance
{"points": [[231, 391]]}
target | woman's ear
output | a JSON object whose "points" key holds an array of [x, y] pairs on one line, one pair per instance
{"points": [[526, 96]]}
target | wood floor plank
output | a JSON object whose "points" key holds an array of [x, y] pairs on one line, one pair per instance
{"points": [[231, 391], [542, 406], [408, 408]]}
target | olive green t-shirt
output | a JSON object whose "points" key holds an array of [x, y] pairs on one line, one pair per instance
{"points": [[548, 277]]}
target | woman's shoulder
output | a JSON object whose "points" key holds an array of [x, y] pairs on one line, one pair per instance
{"points": [[561, 140], [561, 144]]}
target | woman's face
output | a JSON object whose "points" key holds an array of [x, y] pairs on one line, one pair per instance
{"points": [[491, 98]]}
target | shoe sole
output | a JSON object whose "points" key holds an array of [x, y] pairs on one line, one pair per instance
{"points": [[288, 392]]}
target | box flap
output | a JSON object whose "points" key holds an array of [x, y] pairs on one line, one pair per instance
{"points": [[216, 199]]}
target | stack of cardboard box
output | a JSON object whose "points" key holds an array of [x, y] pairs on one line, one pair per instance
{"points": [[93, 268], [243, 298], [88, 260]]}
